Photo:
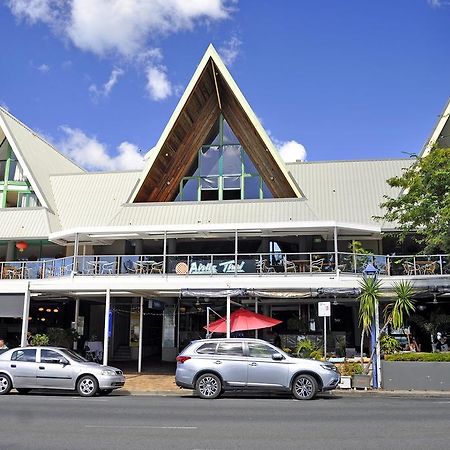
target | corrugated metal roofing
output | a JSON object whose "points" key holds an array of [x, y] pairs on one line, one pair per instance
{"points": [[91, 199], [41, 159], [27, 223]]}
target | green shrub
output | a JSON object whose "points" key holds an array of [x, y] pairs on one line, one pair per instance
{"points": [[420, 357], [389, 345], [306, 348], [39, 339], [60, 337], [350, 368]]}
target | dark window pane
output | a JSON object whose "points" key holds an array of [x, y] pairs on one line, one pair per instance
{"points": [[266, 191], [260, 351], [190, 189], [207, 349], [249, 167], [251, 187], [230, 349], [50, 356], [209, 194], [26, 355], [232, 194]]}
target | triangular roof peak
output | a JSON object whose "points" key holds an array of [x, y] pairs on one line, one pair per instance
{"points": [[210, 92], [440, 136], [37, 158]]}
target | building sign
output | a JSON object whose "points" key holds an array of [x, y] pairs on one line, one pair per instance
{"points": [[324, 309], [204, 266]]}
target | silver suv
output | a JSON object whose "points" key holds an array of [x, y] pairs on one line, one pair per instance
{"points": [[212, 366]]}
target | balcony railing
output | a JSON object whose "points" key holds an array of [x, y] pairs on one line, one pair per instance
{"points": [[262, 264]]}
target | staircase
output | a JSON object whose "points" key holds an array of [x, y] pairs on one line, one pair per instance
{"points": [[123, 353]]}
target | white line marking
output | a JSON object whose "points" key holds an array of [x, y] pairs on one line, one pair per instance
{"points": [[141, 426]]}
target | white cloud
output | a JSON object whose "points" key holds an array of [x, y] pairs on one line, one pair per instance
{"points": [[91, 154], [230, 50], [44, 68], [4, 105], [292, 151], [119, 26], [105, 89], [158, 85], [438, 3]]}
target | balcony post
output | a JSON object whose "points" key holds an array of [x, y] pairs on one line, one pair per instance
{"points": [[235, 251], [25, 315], [76, 318], [336, 254], [106, 328], [141, 324], [164, 252], [228, 316], [76, 245]]}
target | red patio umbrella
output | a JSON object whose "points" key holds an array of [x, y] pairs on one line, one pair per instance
{"points": [[240, 320]]}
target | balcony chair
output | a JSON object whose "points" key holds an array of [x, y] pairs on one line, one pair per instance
{"points": [[409, 268], [108, 268], [429, 269], [289, 266], [128, 266], [156, 267], [263, 267], [317, 265]]}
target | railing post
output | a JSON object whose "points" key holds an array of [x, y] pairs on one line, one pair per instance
{"points": [[415, 267], [260, 263], [212, 262], [310, 262], [388, 264], [440, 264], [164, 252], [354, 263]]}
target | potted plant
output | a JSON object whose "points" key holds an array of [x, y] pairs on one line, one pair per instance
{"points": [[348, 370], [39, 339]]}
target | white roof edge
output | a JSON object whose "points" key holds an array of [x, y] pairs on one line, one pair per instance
{"points": [[443, 118], [26, 170], [212, 53], [213, 227]]}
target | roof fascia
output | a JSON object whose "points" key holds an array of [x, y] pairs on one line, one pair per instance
{"points": [[12, 141], [443, 118]]}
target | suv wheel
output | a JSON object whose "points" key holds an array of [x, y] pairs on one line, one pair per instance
{"points": [[5, 384], [304, 387], [87, 386], [208, 386]]}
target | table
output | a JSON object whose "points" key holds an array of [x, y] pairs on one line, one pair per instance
{"points": [[302, 264]]}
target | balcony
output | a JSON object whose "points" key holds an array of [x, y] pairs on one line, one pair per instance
{"points": [[262, 264]]}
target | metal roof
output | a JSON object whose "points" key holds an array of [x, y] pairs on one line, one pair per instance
{"points": [[37, 157], [91, 199], [27, 223]]}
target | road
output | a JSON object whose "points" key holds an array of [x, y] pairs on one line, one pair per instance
{"points": [[63, 421]]}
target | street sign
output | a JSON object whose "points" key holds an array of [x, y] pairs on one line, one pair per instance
{"points": [[324, 309]]}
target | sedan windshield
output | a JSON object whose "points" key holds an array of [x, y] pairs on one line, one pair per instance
{"points": [[73, 356]]}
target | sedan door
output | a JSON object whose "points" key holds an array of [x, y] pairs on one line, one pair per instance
{"points": [[263, 370], [54, 371], [23, 368]]}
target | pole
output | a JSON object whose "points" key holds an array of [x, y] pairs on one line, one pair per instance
{"points": [[377, 358], [178, 324], [106, 329], [77, 315], [25, 315], [336, 254], [235, 251], [325, 337], [141, 325], [75, 252], [228, 316], [207, 322], [256, 311]]}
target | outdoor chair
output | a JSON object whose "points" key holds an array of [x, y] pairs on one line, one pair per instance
{"points": [[317, 265], [108, 268], [262, 266], [65, 270], [156, 267], [289, 266], [429, 269], [128, 266], [409, 268]]}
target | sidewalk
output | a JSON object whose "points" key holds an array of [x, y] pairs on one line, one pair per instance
{"points": [[164, 384]]}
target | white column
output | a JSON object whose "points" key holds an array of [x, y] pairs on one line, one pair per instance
{"points": [[106, 333], [25, 315], [141, 324], [76, 245], [77, 315], [336, 254], [228, 316]]}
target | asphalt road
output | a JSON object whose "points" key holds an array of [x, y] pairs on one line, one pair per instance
{"points": [[60, 422]]}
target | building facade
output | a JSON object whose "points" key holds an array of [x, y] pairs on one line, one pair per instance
{"points": [[136, 260]]}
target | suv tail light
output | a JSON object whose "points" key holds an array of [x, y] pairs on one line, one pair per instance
{"points": [[183, 359]]}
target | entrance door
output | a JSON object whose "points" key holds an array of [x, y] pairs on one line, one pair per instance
{"points": [[53, 372], [23, 368], [263, 370]]}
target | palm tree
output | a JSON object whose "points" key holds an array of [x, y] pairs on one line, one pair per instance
{"points": [[395, 313]]}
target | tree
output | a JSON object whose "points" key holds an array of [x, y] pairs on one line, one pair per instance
{"points": [[423, 205], [395, 313]]}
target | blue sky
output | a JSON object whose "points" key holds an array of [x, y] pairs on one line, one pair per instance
{"points": [[349, 80]]}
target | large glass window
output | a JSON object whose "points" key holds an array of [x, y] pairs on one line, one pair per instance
{"points": [[224, 171]]}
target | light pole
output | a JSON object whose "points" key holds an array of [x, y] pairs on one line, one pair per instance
{"points": [[371, 272], [208, 309]]}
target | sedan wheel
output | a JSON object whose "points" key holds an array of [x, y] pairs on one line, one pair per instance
{"points": [[304, 387], [87, 386], [208, 386], [5, 384]]}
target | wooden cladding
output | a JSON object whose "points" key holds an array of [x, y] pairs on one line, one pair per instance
{"points": [[210, 96]]}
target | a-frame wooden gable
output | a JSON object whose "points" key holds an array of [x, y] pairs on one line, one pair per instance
{"points": [[211, 92]]}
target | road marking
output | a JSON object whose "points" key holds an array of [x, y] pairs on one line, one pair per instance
{"points": [[142, 426]]}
